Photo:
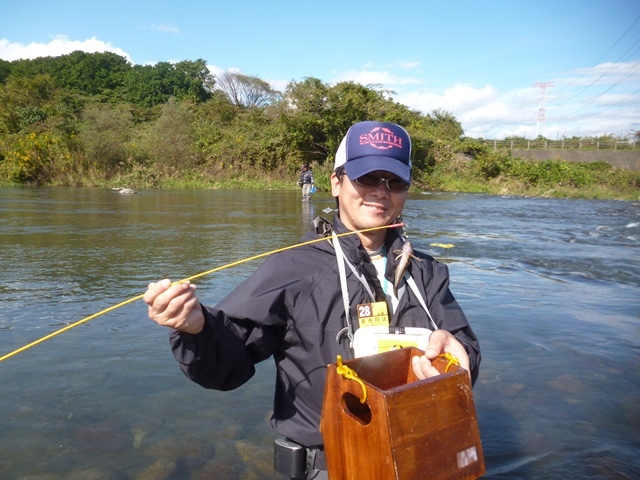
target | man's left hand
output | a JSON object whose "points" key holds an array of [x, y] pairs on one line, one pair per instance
{"points": [[440, 342]]}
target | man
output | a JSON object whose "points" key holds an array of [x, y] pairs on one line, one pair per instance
{"points": [[293, 307], [306, 182]]}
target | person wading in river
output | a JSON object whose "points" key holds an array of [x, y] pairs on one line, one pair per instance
{"points": [[293, 307], [306, 182]]}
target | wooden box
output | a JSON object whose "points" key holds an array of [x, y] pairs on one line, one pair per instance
{"points": [[407, 429]]}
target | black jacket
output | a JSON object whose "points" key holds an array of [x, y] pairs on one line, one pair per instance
{"points": [[291, 308], [306, 177]]}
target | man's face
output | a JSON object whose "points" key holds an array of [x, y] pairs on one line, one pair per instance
{"points": [[367, 207]]}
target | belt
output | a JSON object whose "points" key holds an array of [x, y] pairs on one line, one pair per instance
{"points": [[316, 459]]}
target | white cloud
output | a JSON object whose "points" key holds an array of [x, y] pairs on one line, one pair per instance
{"points": [[611, 99], [279, 85], [608, 72], [219, 70], [457, 98], [408, 65], [59, 45], [165, 28]]}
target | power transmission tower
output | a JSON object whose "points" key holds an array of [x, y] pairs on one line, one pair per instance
{"points": [[542, 120]]}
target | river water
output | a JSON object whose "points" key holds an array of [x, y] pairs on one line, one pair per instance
{"points": [[551, 288]]}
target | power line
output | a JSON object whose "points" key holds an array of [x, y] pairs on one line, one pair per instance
{"points": [[594, 99], [620, 101], [529, 113], [602, 57], [610, 70]]}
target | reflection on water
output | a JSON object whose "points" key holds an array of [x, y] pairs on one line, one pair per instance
{"points": [[550, 287]]}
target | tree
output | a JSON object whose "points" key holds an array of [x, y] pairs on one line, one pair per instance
{"points": [[151, 85], [318, 115], [348, 103], [91, 73], [23, 102], [193, 81], [171, 140], [304, 108], [5, 70], [104, 135], [446, 124], [87, 73], [246, 91], [143, 85]]}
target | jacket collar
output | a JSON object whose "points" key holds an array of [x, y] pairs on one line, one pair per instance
{"points": [[353, 249], [351, 243]]}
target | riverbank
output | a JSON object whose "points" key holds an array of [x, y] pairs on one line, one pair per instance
{"points": [[505, 186], [628, 160], [492, 174], [498, 186]]}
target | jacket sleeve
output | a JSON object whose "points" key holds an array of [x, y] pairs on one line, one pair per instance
{"points": [[242, 330], [214, 358]]}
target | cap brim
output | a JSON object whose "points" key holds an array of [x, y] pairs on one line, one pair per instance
{"points": [[363, 165]]}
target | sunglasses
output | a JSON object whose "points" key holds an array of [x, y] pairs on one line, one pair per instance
{"points": [[393, 184]]}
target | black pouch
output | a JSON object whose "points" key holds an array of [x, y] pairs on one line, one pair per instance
{"points": [[289, 458]]}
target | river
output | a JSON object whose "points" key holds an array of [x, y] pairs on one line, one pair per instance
{"points": [[550, 286]]}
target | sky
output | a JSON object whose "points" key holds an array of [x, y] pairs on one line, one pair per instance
{"points": [[559, 68]]}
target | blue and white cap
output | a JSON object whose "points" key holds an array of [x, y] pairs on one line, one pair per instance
{"points": [[370, 146]]}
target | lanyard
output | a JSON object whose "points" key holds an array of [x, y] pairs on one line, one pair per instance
{"points": [[341, 259], [345, 294], [412, 284]]}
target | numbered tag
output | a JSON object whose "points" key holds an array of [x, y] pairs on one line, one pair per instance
{"points": [[373, 314]]}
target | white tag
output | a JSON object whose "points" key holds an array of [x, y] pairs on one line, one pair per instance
{"points": [[372, 340], [467, 457]]}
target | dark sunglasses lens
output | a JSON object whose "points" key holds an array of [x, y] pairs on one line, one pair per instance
{"points": [[393, 184], [369, 180], [397, 185]]}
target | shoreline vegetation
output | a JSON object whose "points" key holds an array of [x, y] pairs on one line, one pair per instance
{"points": [[95, 120]]}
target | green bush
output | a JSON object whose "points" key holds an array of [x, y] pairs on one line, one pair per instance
{"points": [[30, 158], [489, 165]]}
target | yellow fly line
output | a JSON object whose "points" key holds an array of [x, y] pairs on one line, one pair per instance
{"points": [[217, 269]]}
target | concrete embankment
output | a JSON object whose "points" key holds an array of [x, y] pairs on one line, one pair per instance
{"points": [[629, 160]]}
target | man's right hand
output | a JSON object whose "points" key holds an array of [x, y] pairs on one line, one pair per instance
{"points": [[175, 306]]}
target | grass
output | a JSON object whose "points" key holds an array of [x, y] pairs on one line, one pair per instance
{"points": [[506, 186], [607, 184]]}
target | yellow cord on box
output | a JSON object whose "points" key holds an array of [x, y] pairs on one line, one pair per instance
{"points": [[347, 373], [451, 360]]}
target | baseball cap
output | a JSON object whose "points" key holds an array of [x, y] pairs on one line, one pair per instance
{"points": [[370, 146]]}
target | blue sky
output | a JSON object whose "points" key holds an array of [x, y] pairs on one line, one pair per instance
{"points": [[481, 61]]}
